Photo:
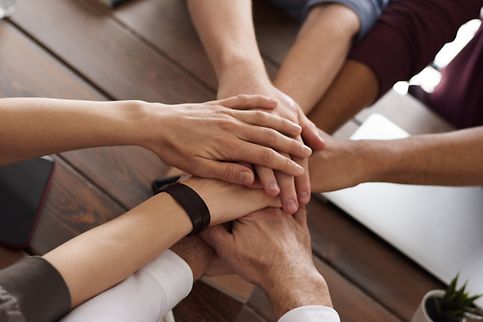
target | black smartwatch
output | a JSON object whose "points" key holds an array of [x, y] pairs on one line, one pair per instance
{"points": [[191, 202]]}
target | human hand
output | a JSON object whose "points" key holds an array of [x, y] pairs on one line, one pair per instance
{"points": [[227, 202], [293, 190], [342, 164], [202, 139], [272, 250]]}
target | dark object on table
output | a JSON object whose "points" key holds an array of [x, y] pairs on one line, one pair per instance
{"points": [[158, 185], [23, 188], [112, 3]]}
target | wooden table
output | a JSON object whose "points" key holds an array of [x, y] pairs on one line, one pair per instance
{"points": [[149, 50]]}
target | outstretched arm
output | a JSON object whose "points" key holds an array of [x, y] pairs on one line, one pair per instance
{"points": [[102, 257], [227, 32], [453, 158], [31, 127]]}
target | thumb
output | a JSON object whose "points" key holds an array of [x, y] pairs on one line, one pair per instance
{"points": [[225, 171], [217, 237], [311, 134], [301, 216]]}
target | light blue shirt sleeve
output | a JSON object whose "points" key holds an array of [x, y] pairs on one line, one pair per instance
{"points": [[311, 313], [368, 11]]}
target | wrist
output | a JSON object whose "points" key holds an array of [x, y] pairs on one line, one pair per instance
{"points": [[196, 253], [237, 200], [241, 76], [287, 292], [135, 118]]}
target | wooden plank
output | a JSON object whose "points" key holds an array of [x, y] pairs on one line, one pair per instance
{"points": [[205, 304], [125, 173], [368, 261], [276, 31], [8, 256], [84, 34], [246, 314], [73, 205], [27, 70], [351, 303], [167, 26], [25, 67], [408, 113]]}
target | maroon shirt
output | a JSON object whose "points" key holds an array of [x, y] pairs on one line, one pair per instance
{"points": [[407, 37]]}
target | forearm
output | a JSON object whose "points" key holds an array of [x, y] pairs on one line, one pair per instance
{"points": [[109, 253], [318, 53], [227, 32], [355, 87], [454, 158], [105, 255], [31, 127]]}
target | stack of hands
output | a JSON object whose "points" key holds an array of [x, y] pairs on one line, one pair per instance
{"points": [[271, 246]]}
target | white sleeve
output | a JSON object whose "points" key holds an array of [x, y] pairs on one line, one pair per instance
{"points": [[311, 313], [145, 296]]}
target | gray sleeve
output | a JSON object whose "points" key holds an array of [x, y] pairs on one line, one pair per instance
{"points": [[33, 291], [9, 308], [367, 10]]}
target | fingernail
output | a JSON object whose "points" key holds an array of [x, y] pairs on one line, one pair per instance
{"points": [[300, 170], [291, 206], [304, 197], [307, 150], [273, 189], [246, 178]]}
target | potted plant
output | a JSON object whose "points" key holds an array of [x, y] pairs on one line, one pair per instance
{"points": [[452, 305]]}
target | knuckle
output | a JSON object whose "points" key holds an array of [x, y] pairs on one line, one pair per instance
{"points": [[261, 117], [227, 173], [270, 135], [267, 156], [226, 124], [242, 98]]}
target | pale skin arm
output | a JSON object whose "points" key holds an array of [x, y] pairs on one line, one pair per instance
{"points": [[111, 252], [317, 54], [227, 32], [31, 127], [453, 159]]}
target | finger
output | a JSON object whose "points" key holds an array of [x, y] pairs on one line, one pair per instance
{"points": [[268, 180], [225, 171], [310, 134], [266, 157], [245, 101], [273, 139], [217, 237], [269, 120], [302, 183], [301, 216], [288, 194]]}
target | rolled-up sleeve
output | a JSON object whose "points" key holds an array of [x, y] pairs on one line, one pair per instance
{"points": [[367, 10], [32, 290], [408, 35], [9, 308], [311, 313]]}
